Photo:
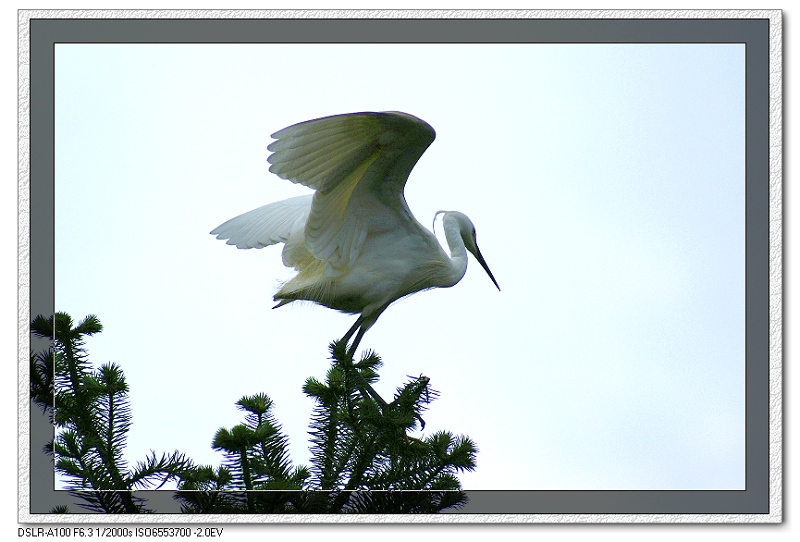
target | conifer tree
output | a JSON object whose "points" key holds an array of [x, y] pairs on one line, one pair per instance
{"points": [[91, 412], [359, 442], [363, 460], [257, 474]]}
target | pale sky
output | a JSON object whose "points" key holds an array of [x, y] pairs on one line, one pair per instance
{"points": [[606, 183]]}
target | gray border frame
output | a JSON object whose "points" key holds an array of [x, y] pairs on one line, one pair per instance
{"points": [[760, 31]]}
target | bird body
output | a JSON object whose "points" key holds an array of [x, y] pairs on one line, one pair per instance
{"points": [[354, 242]]}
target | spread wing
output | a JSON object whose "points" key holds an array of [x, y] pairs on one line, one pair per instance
{"points": [[358, 165], [267, 225]]}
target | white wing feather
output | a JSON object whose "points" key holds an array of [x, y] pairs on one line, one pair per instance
{"points": [[267, 225], [334, 155]]}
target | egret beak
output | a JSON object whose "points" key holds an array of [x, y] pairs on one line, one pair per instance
{"points": [[481, 261]]}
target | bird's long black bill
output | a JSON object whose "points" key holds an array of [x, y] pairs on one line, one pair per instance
{"points": [[481, 261]]}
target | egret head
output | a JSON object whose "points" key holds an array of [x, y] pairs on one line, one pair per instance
{"points": [[466, 230]]}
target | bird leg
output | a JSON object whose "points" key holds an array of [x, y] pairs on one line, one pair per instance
{"points": [[357, 340], [374, 394], [363, 386], [361, 383], [350, 351], [346, 339], [362, 324]]}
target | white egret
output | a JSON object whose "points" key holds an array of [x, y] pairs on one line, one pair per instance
{"points": [[354, 242]]}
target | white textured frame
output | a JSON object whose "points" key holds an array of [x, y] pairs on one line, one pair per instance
{"points": [[775, 265]]}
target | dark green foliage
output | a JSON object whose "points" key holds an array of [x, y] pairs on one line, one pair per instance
{"points": [[257, 476], [360, 443], [363, 460], [42, 386], [92, 416]]}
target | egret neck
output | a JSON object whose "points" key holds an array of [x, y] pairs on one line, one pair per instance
{"points": [[453, 232]]}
